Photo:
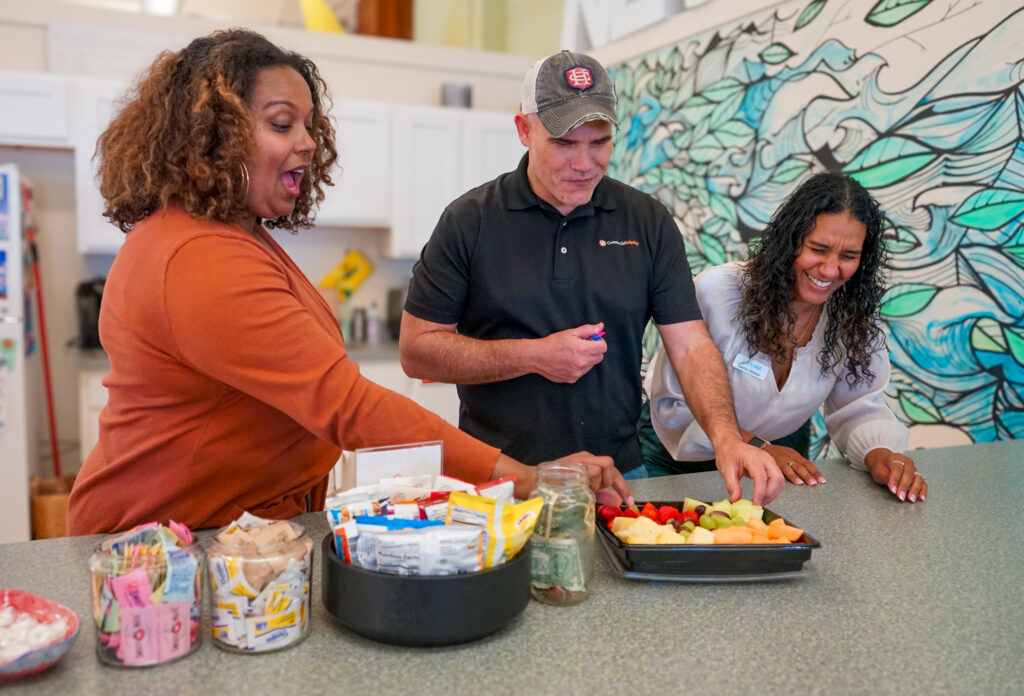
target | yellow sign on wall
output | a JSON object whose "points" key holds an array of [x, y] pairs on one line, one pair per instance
{"points": [[349, 274]]}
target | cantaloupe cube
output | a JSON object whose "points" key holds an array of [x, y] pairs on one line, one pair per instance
{"points": [[755, 523], [733, 535], [790, 533], [760, 538], [777, 522]]}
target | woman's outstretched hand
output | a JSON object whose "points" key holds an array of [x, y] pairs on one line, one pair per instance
{"points": [[797, 469]]}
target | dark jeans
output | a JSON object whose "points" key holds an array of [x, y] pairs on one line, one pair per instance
{"points": [[659, 462]]}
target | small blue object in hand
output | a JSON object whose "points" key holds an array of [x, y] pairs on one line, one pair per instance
{"points": [[597, 336]]}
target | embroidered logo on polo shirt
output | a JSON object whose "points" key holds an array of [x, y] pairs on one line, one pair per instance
{"points": [[618, 242]]}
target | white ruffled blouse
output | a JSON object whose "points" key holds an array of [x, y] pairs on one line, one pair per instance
{"points": [[857, 418]]}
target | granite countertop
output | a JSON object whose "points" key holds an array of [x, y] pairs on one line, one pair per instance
{"points": [[900, 599]]}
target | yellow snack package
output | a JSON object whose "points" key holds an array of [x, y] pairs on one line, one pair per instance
{"points": [[506, 525]]}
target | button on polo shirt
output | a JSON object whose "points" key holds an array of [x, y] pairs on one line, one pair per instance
{"points": [[502, 263]]}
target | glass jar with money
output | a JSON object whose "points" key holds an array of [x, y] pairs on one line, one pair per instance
{"points": [[562, 545], [259, 584]]}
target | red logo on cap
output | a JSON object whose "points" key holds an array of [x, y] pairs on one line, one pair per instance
{"points": [[579, 77]]}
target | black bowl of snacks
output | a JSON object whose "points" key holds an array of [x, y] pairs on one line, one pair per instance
{"points": [[424, 610]]}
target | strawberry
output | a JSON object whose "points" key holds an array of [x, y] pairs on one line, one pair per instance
{"points": [[666, 513], [608, 523], [648, 510], [689, 515], [626, 512], [607, 512]]}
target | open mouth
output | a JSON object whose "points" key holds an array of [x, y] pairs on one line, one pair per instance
{"points": [[291, 180], [820, 284]]}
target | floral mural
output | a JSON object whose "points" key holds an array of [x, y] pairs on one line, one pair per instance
{"points": [[923, 102]]}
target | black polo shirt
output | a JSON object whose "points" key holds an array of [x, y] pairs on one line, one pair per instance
{"points": [[502, 263]]}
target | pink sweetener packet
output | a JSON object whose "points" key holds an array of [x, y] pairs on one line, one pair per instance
{"points": [[173, 630], [140, 640]]}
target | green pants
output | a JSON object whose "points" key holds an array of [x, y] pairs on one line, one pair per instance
{"points": [[659, 462]]}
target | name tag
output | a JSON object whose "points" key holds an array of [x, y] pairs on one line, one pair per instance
{"points": [[757, 366]]}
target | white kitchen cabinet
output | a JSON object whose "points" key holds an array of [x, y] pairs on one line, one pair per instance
{"points": [[93, 100], [440, 153], [428, 166], [442, 399], [33, 109], [491, 146], [361, 195], [439, 397], [92, 397]]}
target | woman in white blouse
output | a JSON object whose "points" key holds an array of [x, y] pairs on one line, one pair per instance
{"points": [[798, 328]]}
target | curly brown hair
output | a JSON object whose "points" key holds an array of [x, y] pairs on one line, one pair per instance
{"points": [[183, 132], [766, 310]]}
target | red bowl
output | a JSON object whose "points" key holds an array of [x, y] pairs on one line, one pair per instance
{"points": [[44, 611]]}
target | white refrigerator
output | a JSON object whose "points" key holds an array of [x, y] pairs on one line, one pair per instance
{"points": [[20, 368]]}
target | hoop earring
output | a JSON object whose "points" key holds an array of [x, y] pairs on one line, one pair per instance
{"points": [[245, 179]]}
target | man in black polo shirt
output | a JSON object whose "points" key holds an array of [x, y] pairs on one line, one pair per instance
{"points": [[534, 290]]}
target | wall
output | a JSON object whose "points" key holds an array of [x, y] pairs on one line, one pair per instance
{"points": [[72, 39], [921, 102]]}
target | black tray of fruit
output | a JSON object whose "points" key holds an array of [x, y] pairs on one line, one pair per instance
{"points": [[780, 558]]}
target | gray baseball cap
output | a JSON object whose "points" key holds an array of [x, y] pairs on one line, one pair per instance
{"points": [[566, 90]]}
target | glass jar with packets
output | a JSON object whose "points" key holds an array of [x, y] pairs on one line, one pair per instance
{"points": [[146, 590], [563, 539], [259, 585]]}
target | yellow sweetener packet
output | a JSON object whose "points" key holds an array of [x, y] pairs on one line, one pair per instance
{"points": [[506, 525]]}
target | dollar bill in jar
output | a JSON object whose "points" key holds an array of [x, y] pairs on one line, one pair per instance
{"points": [[562, 546]]}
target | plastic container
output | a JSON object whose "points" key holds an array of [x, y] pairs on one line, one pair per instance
{"points": [[708, 563], [146, 602], [563, 540], [424, 610], [260, 594]]}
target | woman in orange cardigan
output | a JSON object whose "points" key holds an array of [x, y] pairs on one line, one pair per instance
{"points": [[230, 387]]}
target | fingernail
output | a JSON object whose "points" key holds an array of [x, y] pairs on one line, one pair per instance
{"points": [[799, 482], [892, 489], [922, 498], [903, 495], [821, 479], [912, 497], [630, 500], [813, 483]]}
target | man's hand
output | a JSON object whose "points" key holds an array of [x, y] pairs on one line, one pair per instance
{"points": [[736, 458], [567, 355]]}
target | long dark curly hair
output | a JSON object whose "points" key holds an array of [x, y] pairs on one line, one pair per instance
{"points": [[184, 131], [767, 282]]}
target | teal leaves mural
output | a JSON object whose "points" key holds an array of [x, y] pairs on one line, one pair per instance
{"points": [[990, 209], [923, 103], [889, 13], [886, 161], [808, 14], [906, 300]]}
